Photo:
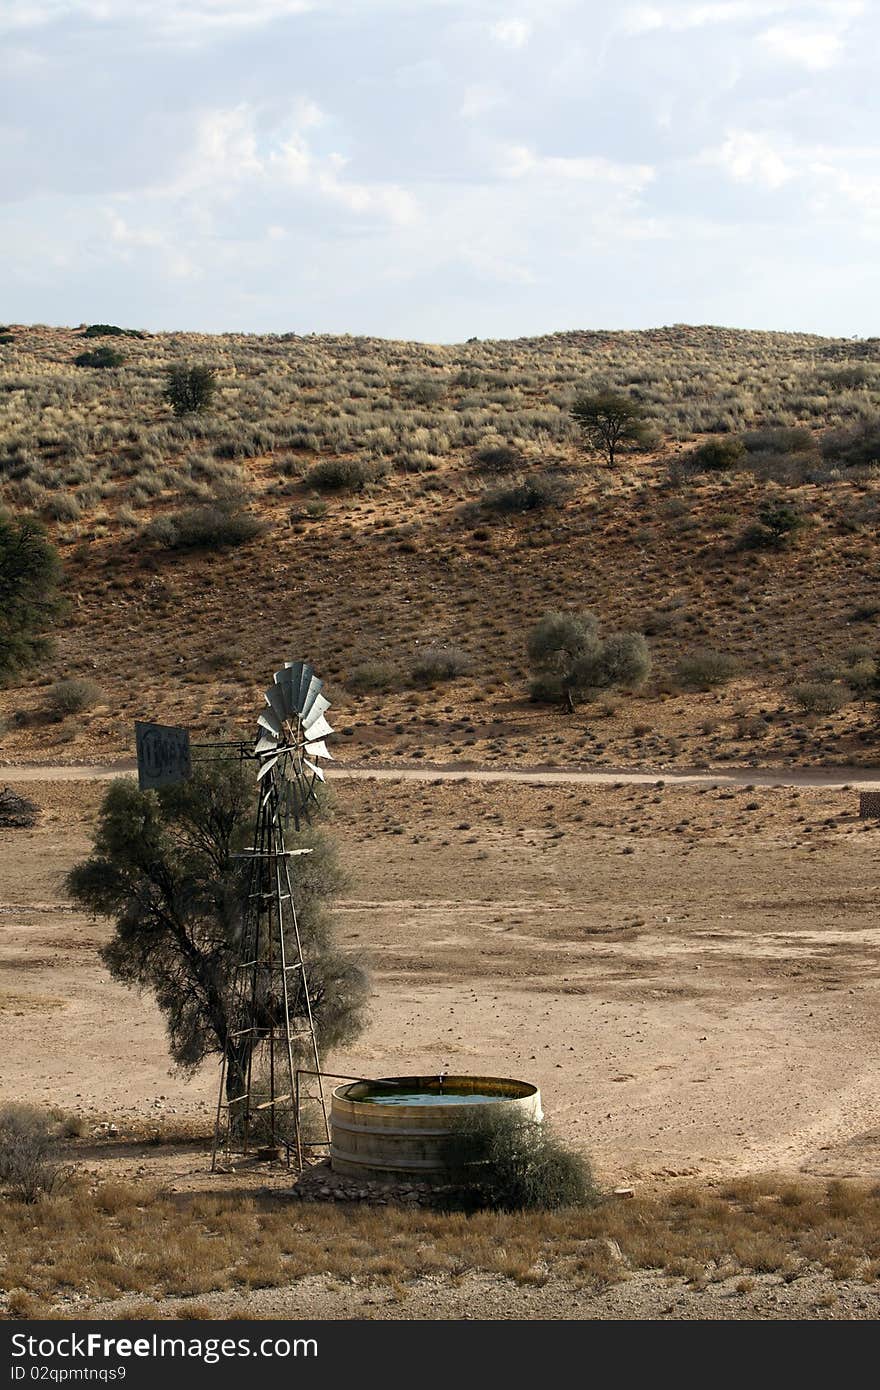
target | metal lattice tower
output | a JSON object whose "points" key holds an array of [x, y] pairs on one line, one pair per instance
{"points": [[272, 1031]]}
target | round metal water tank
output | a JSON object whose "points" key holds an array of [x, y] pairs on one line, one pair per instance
{"points": [[403, 1127]]}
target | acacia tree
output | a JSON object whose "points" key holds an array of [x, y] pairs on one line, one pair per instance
{"points": [[163, 870], [569, 658], [609, 421], [30, 572]]}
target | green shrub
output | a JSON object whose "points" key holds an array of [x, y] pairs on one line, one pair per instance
{"points": [[29, 1168], [189, 389], [103, 330], [504, 1161], [209, 527], [777, 526], [99, 357], [72, 696], [569, 658], [344, 474], [715, 455], [820, 697], [704, 669], [30, 572], [438, 663], [534, 493]]}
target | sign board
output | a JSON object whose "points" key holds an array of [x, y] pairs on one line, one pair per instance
{"points": [[162, 754]]}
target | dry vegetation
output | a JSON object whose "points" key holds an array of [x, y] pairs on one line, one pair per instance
{"points": [[357, 500], [108, 1243]]}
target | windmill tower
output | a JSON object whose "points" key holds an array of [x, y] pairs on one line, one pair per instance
{"points": [[271, 1027]]}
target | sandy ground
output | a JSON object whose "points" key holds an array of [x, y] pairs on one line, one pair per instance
{"points": [[690, 975]]}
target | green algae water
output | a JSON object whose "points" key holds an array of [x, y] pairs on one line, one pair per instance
{"points": [[429, 1095]]}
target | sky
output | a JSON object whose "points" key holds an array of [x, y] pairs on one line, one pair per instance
{"points": [[440, 169]]}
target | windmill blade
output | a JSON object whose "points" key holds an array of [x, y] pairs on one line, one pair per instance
{"points": [[313, 767], [275, 701], [318, 729], [315, 708], [268, 721], [266, 744], [287, 686], [304, 682], [312, 691], [268, 766], [319, 750]]}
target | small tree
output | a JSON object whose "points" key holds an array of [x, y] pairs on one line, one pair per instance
{"points": [[611, 421], [569, 658], [29, 599], [163, 870], [189, 389]]}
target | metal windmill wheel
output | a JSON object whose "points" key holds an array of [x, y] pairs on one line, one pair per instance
{"points": [[292, 733]]}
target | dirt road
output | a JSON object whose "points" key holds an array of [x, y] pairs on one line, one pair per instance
{"points": [[828, 778]]}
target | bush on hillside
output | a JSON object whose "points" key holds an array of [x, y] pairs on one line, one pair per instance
{"points": [[344, 474], [704, 669], [72, 696], [535, 493], [210, 527], [99, 357]]}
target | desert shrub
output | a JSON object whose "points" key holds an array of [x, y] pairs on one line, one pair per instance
{"points": [[99, 357], [427, 392], [72, 696], [439, 663], [372, 675], [30, 572], [189, 389], [568, 658], [343, 474], [777, 526], [860, 674], [505, 1161], [779, 439], [209, 527], [29, 1167], [820, 697], [703, 669], [17, 812], [535, 493], [103, 330], [62, 506], [715, 455], [856, 446], [498, 458]]}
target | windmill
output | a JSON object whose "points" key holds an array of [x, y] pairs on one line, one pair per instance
{"points": [[270, 1022]]}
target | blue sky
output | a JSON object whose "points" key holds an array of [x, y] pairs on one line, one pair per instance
{"points": [[439, 169]]}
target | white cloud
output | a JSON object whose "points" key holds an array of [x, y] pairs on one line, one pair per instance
{"points": [[749, 157], [813, 49], [229, 151], [519, 161], [204, 18], [646, 18], [512, 33], [478, 99]]}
